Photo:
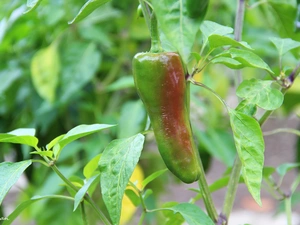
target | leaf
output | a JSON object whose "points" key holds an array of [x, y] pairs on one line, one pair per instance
{"points": [[179, 29], [20, 136], [9, 174], [127, 125], [117, 163], [7, 78], [249, 143], [17, 211], [45, 69], [81, 62], [120, 84], [284, 45], [87, 9], [261, 93], [219, 144], [209, 28], [43, 153], [192, 214], [229, 62], [247, 58], [216, 40], [247, 108], [286, 167], [32, 4], [91, 166], [152, 177], [134, 198], [172, 218], [79, 132], [83, 190]]}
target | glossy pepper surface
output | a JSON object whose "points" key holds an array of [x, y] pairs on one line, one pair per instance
{"points": [[160, 82]]}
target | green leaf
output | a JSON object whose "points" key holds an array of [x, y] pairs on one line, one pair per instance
{"points": [[134, 198], [216, 40], [43, 153], [81, 62], [250, 146], [261, 93], [32, 4], [17, 211], [120, 84], [91, 166], [247, 108], [218, 143], [128, 126], [45, 69], [284, 45], [9, 174], [286, 167], [209, 28], [83, 190], [152, 177], [192, 214], [247, 58], [268, 171], [79, 132], [179, 29], [7, 78], [20, 136], [54, 142], [87, 9], [172, 218], [229, 62], [117, 163]]}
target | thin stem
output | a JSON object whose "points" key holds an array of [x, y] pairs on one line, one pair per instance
{"points": [[288, 210], [282, 130], [40, 161], [83, 214], [146, 12], [295, 184], [232, 187], [204, 190], [142, 218], [86, 197], [155, 39]]}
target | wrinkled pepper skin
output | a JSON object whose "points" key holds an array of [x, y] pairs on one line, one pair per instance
{"points": [[160, 82], [197, 8]]}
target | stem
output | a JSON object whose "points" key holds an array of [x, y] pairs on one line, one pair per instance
{"points": [[288, 210], [295, 184], [238, 28], [142, 218], [86, 197], [84, 219], [146, 13], [286, 130], [155, 40], [232, 187], [204, 190]]}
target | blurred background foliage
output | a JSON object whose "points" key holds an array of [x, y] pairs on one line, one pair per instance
{"points": [[55, 76]]}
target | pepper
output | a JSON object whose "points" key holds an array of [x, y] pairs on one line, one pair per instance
{"points": [[196, 8], [160, 82]]}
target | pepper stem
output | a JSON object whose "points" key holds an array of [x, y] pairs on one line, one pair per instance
{"points": [[155, 40]]}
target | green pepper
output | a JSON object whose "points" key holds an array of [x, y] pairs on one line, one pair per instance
{"points": [[161, 84], [196, 8]]}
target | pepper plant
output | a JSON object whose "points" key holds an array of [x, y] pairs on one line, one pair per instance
{"points": [[111, 175]]}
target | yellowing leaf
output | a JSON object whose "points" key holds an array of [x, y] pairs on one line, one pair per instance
{"points": [[45, 67], [128, 208]]}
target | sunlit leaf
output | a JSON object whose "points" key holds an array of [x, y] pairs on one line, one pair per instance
{"points": [[250, 146], [179, 29], [32, 4], [284, 45], [45, 69], [192, 214], [20, 136], [87, 9], [9, 174], [261, 93], [117, 163], [216, 40]]}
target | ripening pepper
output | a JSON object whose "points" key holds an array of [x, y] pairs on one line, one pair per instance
{"points": [[196, 8], [160, 82]]}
